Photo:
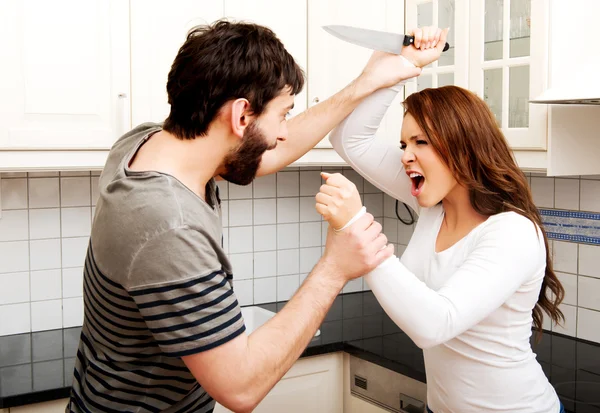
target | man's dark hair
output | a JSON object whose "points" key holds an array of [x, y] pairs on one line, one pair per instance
{"points": [[224, 61]]}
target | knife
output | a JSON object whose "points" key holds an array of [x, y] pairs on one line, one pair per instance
{"points": [[373, 39]]}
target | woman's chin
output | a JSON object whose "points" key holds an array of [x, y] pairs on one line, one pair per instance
{"points": [[426, 202]]}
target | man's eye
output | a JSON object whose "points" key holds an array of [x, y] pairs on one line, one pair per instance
{"points": [[402, 146]]}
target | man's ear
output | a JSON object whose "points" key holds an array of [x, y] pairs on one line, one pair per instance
{"points": [[240, 116]]}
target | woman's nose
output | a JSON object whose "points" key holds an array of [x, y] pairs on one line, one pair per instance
{"points": [[407, 157]]}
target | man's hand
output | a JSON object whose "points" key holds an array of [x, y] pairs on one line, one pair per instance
{"points": [[356, 250], [428, 46]]}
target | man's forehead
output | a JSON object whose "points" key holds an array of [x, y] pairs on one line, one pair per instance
{"points": [[284, 98]]}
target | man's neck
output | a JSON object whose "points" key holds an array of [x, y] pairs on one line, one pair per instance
{"points": [[193, 162]]}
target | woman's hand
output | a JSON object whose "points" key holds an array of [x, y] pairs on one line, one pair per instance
{"points": [[338, 200], [428, 46]]}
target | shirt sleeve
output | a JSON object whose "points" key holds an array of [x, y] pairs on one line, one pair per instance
{"points": [[509, 254], [183, 292], [377, 160]]}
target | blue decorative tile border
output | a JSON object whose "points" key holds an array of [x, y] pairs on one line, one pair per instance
{"points": [[574, 226]]}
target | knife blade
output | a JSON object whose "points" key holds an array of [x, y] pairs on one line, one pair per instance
{"points": [[373, 39]]}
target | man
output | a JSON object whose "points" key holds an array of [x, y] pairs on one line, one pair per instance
{"points": [[163, 330]]}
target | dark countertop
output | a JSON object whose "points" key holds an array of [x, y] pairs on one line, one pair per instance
{"points": [[38, 367]]}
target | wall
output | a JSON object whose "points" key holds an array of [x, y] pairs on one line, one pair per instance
{"points": [[271, 231]]}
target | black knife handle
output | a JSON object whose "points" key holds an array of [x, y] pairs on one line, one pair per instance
{"points": [[408, 40]]}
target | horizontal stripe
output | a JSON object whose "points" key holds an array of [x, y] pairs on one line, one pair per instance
{"points": [[198, 404], [101, 407], [203, 334], [92, 322], [79, 402], [92, 300], [119, 401], [190, 310], [105, 278], [175, 286], [127, 391], [209, 346], [95, 275], [196, 323], [91, 313], [138, 384], [178, 300], [141, 373]]}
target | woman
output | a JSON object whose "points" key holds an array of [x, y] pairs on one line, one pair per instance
{"points": [[477, 271]]}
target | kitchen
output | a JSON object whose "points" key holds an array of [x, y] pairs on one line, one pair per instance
{"points": [[272, 233]]}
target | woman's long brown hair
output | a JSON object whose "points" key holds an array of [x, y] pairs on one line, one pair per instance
{"points": [[464, 132]]}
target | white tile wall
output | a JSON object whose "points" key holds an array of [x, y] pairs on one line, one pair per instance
{"points": [[44, 230], [272, 233]]}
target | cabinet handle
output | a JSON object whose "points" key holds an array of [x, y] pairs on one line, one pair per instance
{"points": [[316, 100], [122, 114]]}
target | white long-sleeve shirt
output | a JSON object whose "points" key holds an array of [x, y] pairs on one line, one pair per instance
{"points": [[470, 306]]}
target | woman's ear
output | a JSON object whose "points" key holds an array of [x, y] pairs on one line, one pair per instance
{"points": [[240, 116]]}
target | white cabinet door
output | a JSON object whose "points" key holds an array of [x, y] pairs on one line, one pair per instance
{"points": [[313, 384], [64, 77], [55, 406], [452, 68], [509, 66], [333, 63], [158, 29], [287, 18]]}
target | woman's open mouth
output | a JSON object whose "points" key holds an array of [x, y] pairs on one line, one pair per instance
{"points": [[417, 183]]}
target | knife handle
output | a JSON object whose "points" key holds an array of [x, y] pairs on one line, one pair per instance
{"points": [[408, 40]]}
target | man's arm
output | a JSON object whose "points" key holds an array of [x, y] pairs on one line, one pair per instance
{"points": [[383, 70], [309, 127], [240, 373]]}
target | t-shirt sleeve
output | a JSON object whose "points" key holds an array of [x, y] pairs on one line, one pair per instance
{"points": [[183, 292]]}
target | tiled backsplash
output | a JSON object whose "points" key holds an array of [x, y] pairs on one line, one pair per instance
{"points": [[272, 233]]}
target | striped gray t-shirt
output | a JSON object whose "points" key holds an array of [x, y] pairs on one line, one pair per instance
{"points": [[157, 286]]}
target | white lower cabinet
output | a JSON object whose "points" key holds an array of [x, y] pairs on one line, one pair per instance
{"points": [[54, 406], [313, 384]]}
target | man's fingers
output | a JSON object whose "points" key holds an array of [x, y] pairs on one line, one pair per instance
{"points": [[384, 254], [373, 231], [364, 222]]}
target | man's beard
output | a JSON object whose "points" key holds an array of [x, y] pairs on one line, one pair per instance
{"points": [[241, 164]]}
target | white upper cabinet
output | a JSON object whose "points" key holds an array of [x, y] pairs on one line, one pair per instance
{"points": [[158, 29], [509, 66], [334, 63], [64, 77], [453, 65], [287, 18], [499, 50]]}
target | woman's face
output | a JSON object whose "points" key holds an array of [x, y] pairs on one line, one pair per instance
{"points": [[431, 179]]}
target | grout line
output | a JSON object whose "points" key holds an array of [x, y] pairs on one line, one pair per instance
{"points": [[29, 270]]}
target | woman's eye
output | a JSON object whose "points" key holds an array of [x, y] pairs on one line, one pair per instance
{"points": [[402, 146], [421, 142]]}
